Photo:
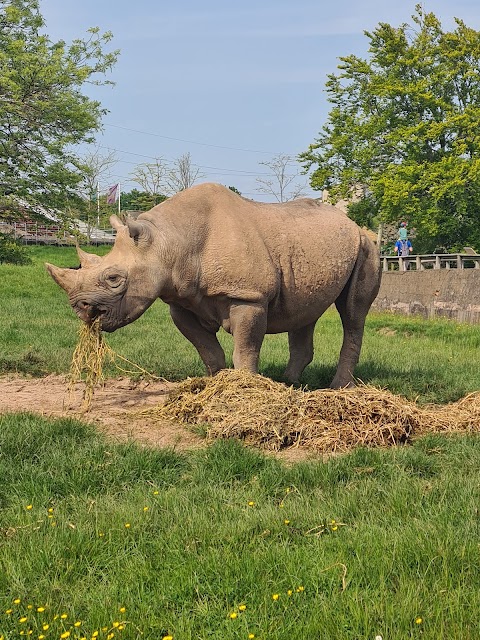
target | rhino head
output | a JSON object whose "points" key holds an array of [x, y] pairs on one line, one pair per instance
{"points": [[118, 287]]}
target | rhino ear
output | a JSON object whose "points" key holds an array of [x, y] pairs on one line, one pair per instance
{"points": [[139, 231], [65, 278], [87, 259]]}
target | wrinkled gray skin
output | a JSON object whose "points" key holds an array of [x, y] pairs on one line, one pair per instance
{"points": [[220, 260]]}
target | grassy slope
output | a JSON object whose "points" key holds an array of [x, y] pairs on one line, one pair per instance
{"points": [[406, 539], [195, 550]]}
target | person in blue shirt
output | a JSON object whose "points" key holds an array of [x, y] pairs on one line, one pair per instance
{"points": [[403, 248]]}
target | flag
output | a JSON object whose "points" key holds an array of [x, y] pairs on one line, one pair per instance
{"points": [[112, 194]]}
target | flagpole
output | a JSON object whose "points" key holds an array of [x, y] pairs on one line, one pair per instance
{"points": [[98, 204], [119, 193]]}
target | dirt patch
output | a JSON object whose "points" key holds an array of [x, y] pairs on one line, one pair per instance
{"points": [[115, 410]]}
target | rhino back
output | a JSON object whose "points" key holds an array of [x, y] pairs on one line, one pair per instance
{"points": [[297, 256]]}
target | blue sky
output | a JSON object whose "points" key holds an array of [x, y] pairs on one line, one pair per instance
{"points": [[233, 84]]}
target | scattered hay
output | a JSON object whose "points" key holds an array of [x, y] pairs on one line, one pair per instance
{"points": [[89, 359], [273, 416]]}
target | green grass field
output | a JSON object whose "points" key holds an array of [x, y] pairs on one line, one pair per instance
{"points": [[102, 540]]}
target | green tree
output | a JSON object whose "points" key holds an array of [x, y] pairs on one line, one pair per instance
{"points": [[43, 112], [402, 139], [136, 200]]}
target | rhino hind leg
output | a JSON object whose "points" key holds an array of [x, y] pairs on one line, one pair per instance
{"points": [[353, 305], [300, 342], [204, 341]]}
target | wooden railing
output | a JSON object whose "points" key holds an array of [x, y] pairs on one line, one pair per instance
{"points": [[432, 261]]}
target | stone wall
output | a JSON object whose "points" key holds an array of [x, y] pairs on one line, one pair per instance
{"points": [[432, 293]]}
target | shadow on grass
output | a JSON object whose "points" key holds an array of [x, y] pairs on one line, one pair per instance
{"points": [[417, 384]]}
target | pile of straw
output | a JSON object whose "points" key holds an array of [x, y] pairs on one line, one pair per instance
{"points": [[273, 416]]}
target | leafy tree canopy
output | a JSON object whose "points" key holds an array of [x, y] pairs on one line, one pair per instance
{"points": [[136, 200], [43, 112], [402, 138]]}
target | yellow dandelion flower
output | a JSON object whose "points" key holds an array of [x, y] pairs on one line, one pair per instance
{"points": [[233, 615], [56, 616], [110, 636], [50, 510], [40, 609], [45, 627], [251, 503], [29, 507], [53, 524], [155, 493], [9, 611], [275, 596], [100, 534], [77, 623], [146, 508], [41, 636], [64, 616], [127, 525], [287, 522], [242, 607], [281, 505], [251, 636], [167, 638], [50, 515], [94, 634], [115, 624], [300, 589], [104, 628], [289, 592], [29, 606], [17, 601], [122, 609], [65, 634], [23, 619], [418, 620], [121, 627]]}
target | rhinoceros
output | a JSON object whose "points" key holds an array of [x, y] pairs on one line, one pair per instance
{"points": [[221, 260]]}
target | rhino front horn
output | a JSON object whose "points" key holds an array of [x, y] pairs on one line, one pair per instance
{"points": [[65, 278]]}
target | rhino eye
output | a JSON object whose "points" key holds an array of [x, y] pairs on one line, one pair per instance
{"points": [[114, 279]]}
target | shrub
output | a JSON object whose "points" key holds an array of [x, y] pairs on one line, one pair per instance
{"points": [[12, 251]]}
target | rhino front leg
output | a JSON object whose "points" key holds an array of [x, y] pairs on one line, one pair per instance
{"points": [[204, 341], [300, 343], [248, 325]]}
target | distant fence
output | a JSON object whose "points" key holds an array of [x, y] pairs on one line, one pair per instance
{"points": [[52, 234], [431, 261]]}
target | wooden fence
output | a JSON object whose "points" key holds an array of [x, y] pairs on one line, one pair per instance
{"points": [[431, 261]]}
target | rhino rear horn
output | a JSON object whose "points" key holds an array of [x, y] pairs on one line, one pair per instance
{"points": [[65, 278], [116, 223], [87, 259]]}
